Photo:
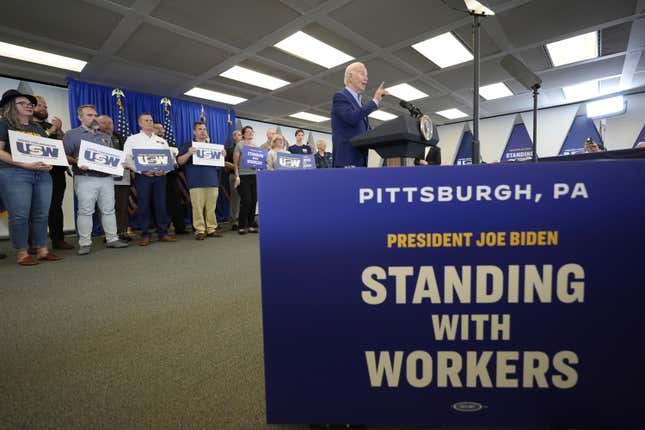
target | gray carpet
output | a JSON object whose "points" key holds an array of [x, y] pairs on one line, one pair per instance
{"points": [[167, 336]]}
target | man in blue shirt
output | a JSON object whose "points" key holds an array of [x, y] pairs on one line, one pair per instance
{"points": [[349, 116], [91, 187], [202, 185]]}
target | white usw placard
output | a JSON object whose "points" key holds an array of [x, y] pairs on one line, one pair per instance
{"points": [[209, 154], [100, 158], [27, 148]]}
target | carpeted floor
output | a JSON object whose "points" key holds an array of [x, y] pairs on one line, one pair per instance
{"points": [[167, 336]]}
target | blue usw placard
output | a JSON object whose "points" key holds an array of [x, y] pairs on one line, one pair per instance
{"points": [[253, 158], [152, 159], [288, 161], [505, 294]]}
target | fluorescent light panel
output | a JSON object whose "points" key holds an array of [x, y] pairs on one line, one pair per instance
{"points": [[309, 117], [382, 115], [406, 92], [215, 96], [311, 49], [452, 114], [251, 77], [495, 91], [582, 91], [41, 57], [574, 49], [605, 107], [444, 50]]}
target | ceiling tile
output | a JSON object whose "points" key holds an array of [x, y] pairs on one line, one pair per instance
{"points": [[238, 23], [77, 22], [158, 47], [416, 60], [386, 22], [486, 43], [333, 39], [289, 60], [557, 17], [614, 39], [271, 106], [535, 59], [462, 77], [310, 93], [602, 68]]}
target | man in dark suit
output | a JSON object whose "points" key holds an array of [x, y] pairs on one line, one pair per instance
{"points": [[349, 116]]}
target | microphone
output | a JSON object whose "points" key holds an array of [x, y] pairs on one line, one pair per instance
{"points": [[414, 111]]}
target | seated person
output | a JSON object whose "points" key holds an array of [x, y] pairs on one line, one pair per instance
{"points": [[591, 146], [323, 159]]}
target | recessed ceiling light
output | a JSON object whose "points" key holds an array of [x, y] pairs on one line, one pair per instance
{"points": [[605, 107], [311, 49], [585, 90], [309, 117], [41, 57], [452, 113], [573, 49], [406, 92], [382, 115], [495, 91], [215, 96], [251, 77], [444, 50]]}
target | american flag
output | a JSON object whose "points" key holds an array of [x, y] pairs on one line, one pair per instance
{"points": [[122, 126], [169, 134]]}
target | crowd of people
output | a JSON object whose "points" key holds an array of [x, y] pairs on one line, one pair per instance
{"points": [[33, 192]]}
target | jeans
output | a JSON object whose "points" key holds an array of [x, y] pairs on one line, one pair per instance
{"points": [[91, 190], [27, 195]]}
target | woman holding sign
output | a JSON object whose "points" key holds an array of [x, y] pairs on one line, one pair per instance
{"points": [[277, 145], [26, 188], [245, 179]]}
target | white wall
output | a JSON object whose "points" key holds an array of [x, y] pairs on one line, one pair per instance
{"points": [[57, 105], [622, 130]]}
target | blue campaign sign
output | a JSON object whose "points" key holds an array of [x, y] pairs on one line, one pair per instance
{"points": [[254, 158], [465, 152], [519, 146], [580, 130], [505, 294], [152, 159], [290, 161]]}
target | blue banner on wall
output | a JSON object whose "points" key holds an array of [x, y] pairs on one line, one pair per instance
{"points": [[486, 295], [519, 146], [294, 161], [253, 158]]}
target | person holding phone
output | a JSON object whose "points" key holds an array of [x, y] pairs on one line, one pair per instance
{"points": [[349, 116]]}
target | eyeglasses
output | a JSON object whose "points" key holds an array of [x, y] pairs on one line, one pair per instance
{"points": [[26, 104]]}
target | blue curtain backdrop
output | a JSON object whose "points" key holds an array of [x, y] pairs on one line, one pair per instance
{"points": [[580, 130], [182, 116]]}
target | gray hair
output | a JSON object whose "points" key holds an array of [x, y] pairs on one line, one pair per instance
{"points": [[79, 111], [349, 70]]}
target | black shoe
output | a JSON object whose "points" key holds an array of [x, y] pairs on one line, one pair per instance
{"points": [[181, 231], [2, 255], [235, 227], [125, 238]]}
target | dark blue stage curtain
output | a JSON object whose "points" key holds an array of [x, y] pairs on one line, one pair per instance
{"points": [[183, 114]]}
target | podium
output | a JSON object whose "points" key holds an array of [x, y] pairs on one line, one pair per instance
{"points": [[398, 141]]}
